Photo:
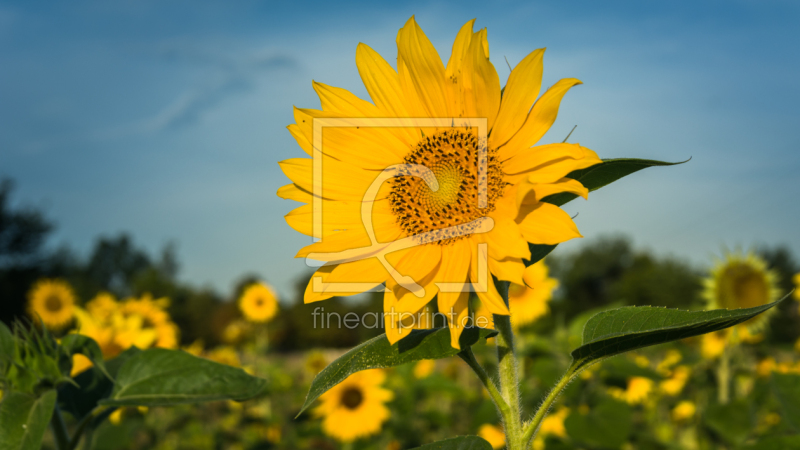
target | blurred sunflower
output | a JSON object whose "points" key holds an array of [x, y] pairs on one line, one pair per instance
{"points": [[796, 280], [423, 368], [258, 303], [637, 391], [493, 434], [684, 410], [552, 425], [433, 200], [355, 407], [742, 281], [52, 302], [529, 302]]}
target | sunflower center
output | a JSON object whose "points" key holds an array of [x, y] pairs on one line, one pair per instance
{"points": [[460, 173], [352, 397], [747, 288], [53, 303]]}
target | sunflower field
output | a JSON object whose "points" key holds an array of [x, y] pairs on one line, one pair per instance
{"points": [[440, 313]]}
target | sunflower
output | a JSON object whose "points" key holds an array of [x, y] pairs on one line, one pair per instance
{"points": [[52, 302], [493, 434], [683, 411], [742, 281], [456, 201], [637, 391], [258, 303], [355, 407], [529, 302]]}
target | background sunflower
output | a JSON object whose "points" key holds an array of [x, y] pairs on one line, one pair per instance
{"points": [[53, 302], [258, 303]]}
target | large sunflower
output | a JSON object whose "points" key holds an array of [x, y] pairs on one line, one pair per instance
{"points": [[469, 191], [52, 301], [355, 407], [530, 302]]}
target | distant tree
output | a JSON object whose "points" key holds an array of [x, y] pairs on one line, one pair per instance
{"points": [[783, 325]]}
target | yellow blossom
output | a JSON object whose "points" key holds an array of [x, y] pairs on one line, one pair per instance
{"points": [[493, 434], [684, 410], [52, 302]]}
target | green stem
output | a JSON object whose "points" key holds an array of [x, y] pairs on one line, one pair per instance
{"points": [[88, 438], [724, 377], [507, 366], [490, 385], [59, 429], [533, 425]]}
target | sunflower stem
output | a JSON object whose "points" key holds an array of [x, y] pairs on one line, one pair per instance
{"points": [[59, 429], [533, 425], [487, 381], [724, 377], [507, 366]]}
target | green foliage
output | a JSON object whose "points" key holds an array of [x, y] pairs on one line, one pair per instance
{"points": [[74, 344], [160, 377], [774, 443], [24, 419], [378, 353], [629, 328], [459, 443], [609, 171], [606, 425], [787, 390], [93, 386], [732, 422]]}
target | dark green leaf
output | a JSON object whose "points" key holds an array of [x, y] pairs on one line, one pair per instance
{"points": [[606, 425], [538, 252], [732, 422], [84, 345], [599, 175], [158, 377], [629, 328], [93, 386], [6, 347], [377, 353], [459, 443], [24, 419], [787, 389]]}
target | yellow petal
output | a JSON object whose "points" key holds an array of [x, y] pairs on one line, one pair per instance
{"points": [[546, 224], [479, 82], [487, 293], [425, 69], [301, 138], [528, 159], [340, 181], [506, 241], [454, 305], [521, 90], [345, 279], [530, 193], [418, 263], [510, 269], [540, 118], [293, 192]]}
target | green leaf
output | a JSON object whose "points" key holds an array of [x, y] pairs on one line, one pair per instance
{"points": [[84, 345], [459, 443], [603, 174], [377, 353], [732, 422], [606, 425], [538, 252], [6, 348], [593, 178], [160, 377], [93, 386], [24, 419], [624, 329], [787, 389]]}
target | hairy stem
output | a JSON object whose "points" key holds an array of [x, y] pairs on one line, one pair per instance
{"points": [[533, 425], [507, 366], [490, 385]]}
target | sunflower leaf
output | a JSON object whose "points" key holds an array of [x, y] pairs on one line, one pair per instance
{"points": [[161, 377], [605, 173], [632, 327], [538, 252], [459, 443], [24, 419], [378, 353], [93, 386]]}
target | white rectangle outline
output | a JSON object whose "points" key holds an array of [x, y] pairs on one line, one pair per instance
{"points": [[320, 123]]}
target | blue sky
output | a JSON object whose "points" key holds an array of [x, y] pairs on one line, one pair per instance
{"points": [[167, 119]]}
